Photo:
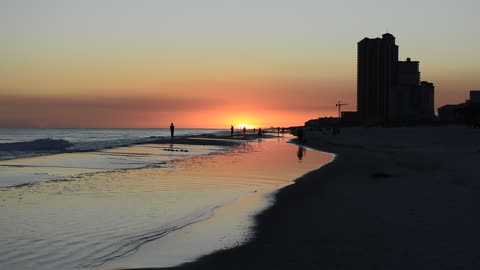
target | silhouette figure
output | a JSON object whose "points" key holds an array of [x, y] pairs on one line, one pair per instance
{"points": [[259, 132], [244, 131], [231, 130], [301, 151], [283, 132], [172, 130], [254, 130]]}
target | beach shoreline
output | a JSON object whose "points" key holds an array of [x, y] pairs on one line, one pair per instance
{"points": [[197, 194], [243, 209], [400, 198]]}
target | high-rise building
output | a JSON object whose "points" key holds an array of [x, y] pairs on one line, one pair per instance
{"points": [[376, 70], [408, 72], [389, 90]]}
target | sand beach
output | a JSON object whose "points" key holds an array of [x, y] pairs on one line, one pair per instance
{"points": [[398, 198]]}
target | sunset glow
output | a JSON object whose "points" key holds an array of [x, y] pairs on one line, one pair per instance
{"points": [[214, 64], [247, 126]]}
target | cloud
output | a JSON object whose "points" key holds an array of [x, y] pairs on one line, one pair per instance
{"points": [[106, 103], [30, 111]]}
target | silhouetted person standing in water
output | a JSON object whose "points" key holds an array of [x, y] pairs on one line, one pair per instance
{"points": [[231, 130], [172, 130], [244, 131]]}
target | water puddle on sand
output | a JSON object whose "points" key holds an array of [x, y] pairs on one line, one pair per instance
{"points": [[154, 216]]}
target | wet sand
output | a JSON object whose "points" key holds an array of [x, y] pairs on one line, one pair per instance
{"points": [[211, 139], [145, 205], [235, 217], [404, 198]]}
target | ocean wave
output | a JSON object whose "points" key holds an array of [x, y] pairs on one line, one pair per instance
{"points": [[37, 145], [33, 148], [49, 146], [21, 143]]}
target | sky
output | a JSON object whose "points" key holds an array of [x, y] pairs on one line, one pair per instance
{"points": [[213, 63]]}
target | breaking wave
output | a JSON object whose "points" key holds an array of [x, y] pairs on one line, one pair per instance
{"points": [[48, 146]]}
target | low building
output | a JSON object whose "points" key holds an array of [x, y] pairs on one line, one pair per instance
{"points": [[452, 113], [468, 112], [322, 122], [350, 117], [474, 96]]}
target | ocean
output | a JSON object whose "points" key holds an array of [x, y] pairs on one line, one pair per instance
{"points": [[25, 142], [112, 199]]}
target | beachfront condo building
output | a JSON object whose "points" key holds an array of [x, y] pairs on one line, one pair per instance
{"points": [[468, 112], [389, 90]]}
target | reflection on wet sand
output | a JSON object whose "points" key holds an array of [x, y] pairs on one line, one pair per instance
{"points": [[301, 152], [111, 218]]}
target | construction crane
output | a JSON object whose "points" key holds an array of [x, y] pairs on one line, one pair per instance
{"points": [[339, 106]]}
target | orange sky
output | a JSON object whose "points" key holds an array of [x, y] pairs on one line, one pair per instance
{"points": [[215, 63], [216, 105]]}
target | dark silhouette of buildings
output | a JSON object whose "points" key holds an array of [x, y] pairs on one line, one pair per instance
{"points": [[376, 60], [389, 90], [468, 112], [322, 122]]}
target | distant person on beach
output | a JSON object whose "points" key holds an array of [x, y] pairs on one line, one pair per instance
{"points": [[283, 132], [244, 131], [259, 132], [301, 151], [172, 130], [231, 130], [278, 131], [254, 130]]}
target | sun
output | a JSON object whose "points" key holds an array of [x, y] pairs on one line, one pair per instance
{"points": [[242, 125]]}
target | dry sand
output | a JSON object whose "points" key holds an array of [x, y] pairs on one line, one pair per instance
{"points": [[400, 198]]}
